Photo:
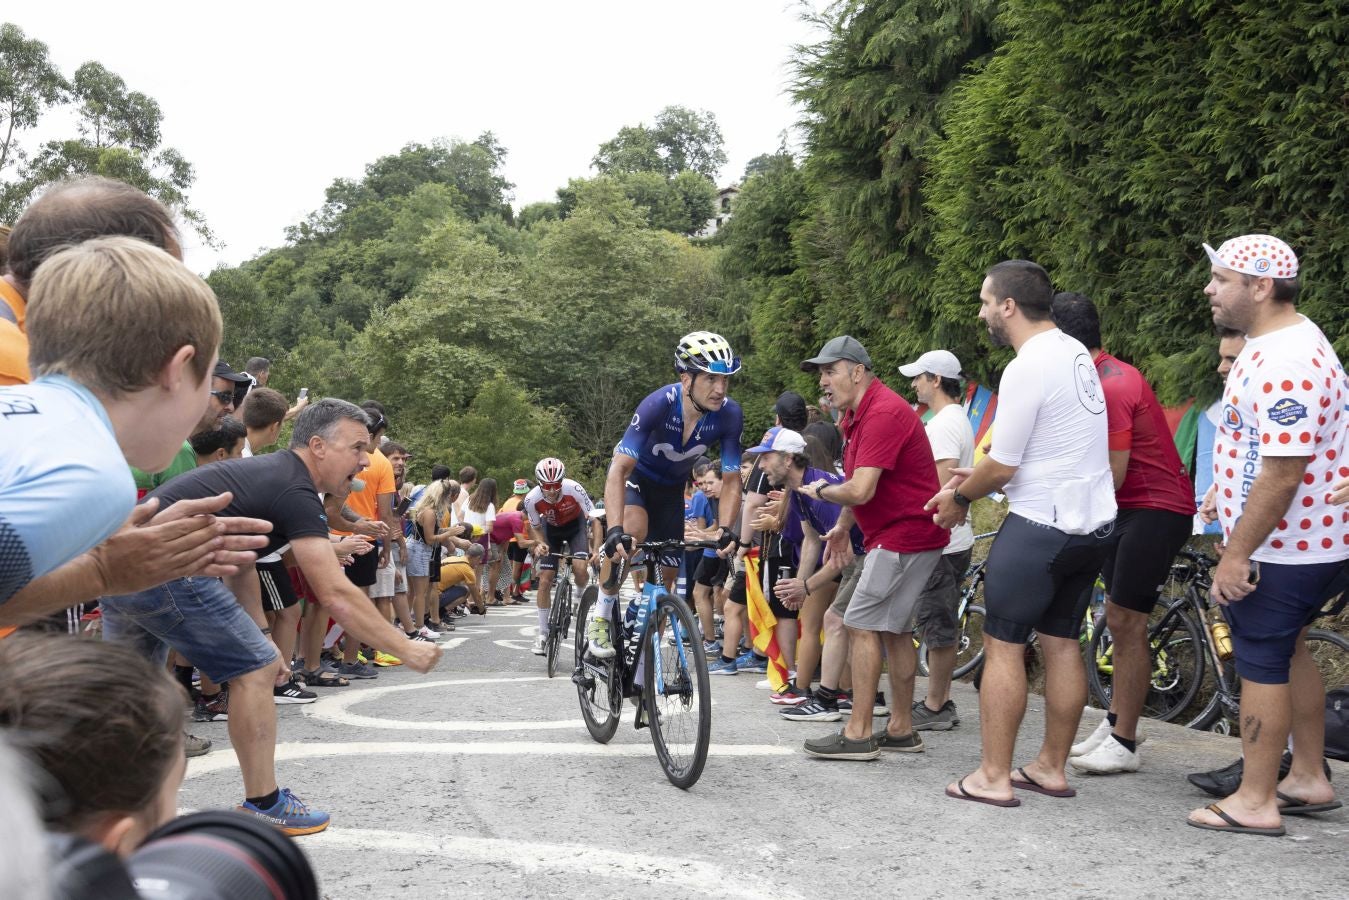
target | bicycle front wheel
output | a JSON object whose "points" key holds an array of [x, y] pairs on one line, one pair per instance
{"points": [[969, 646], [596, 679], [557, 624], [1176, 655], [677, 693]]}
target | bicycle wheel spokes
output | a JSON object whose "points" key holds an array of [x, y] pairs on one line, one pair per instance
{"points": [[677, 694]]}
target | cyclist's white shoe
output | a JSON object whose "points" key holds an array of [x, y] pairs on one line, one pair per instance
{"points": [[1097, 737], [1109, 757], [597, 632], [1091, 741], [538, 646]]}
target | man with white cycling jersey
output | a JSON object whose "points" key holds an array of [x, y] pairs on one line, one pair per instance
{"points": [[559, 513], [670, 430]]}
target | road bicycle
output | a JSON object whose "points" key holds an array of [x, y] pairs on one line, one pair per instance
{"points": [[1189, 645], [969, 622], [666, 679], [559, 614]]}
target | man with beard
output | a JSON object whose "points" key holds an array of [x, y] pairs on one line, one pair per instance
{"points": [[226, 637], [1051, 459], [1276, 456]]}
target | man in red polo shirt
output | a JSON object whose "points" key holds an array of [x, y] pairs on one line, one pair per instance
{"points": [[888, 462]]}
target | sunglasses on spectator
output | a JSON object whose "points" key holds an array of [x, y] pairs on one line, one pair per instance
{"points": [[226, 397]]}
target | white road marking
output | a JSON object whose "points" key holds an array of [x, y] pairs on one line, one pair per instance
{"points": [[220, 760], [676, 873], [334, 708]]}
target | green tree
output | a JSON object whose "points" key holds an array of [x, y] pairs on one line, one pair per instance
{"points": [[119, 137], [29, 85], [1107, 141], [680, 140], [475, 436]]}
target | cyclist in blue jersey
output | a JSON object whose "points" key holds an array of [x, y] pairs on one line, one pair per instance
{"points": [[671, 429]]}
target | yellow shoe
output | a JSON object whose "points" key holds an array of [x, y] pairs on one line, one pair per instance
{"points": [[383, 659], [360, 657]]}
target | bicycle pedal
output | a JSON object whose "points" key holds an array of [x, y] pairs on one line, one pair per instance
{"points": [[581, 679]]}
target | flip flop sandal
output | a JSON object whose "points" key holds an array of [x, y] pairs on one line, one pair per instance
{"points": [[1233, 825], [966, 795], [1022, 781], [1298, 807]]}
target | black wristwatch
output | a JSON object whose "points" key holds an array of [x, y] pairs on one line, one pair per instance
{"points": [[960, 499]]}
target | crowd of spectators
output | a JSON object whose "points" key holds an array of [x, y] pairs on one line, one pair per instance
{"points": [[142, 488]]}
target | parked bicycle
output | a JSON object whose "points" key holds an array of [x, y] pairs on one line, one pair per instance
{"points": [[656, 666], [1189, 643]]}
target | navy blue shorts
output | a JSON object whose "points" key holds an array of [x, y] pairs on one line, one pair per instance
{"points": [[1267, 621], [664, 505]]}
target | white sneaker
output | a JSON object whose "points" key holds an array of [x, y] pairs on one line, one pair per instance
{"points": [[429, 634], [538, 646], [1109, 757], [1097, 737], [1091, 741]]}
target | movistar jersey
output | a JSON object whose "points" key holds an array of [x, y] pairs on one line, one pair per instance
{"points": [[656, 437]]}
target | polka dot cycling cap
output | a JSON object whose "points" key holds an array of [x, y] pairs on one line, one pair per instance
{"points": [[1261, 255]]}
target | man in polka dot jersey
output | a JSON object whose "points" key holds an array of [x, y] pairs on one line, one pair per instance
{"points": [[1278, 453]]}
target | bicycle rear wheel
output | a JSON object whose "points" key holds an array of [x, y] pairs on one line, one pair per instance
{"points": [[557, 623], [597, 685], [677, 693], [1330, 652], [1176, 652]]}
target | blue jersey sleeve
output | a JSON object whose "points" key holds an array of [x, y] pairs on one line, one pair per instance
{"points": [[651, 413], [732, 420]]}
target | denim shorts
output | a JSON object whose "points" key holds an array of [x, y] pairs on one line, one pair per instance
{"points": [[199, 618], [419, 559]]}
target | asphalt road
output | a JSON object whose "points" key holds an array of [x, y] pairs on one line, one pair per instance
{"points": [[479, 780]]}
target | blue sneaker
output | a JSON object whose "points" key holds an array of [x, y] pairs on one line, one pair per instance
{"points": [[711, 649], [721, 666], [751, 663], [289, 815]]}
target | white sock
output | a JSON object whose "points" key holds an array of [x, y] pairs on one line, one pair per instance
{"points": [[543, 621], [604, 606]]}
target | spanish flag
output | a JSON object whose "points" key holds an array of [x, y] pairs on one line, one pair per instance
{"points": [[762, 622]]}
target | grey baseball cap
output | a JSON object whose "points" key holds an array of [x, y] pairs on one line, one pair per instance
{"points": [[844, 347]]}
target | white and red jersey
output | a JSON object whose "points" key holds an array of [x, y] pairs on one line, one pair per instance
{"points": [[1286, 396], [572, 504]]}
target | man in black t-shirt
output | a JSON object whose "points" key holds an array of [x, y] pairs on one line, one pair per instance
{"points": [[221, 627]]}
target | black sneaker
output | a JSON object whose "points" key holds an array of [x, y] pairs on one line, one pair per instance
{"points": [[1225, 781], [943, 719], [290, 692], [879, 709], [821, 707]]}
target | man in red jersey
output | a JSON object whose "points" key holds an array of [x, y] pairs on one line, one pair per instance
{"points": [[1154, 496]]}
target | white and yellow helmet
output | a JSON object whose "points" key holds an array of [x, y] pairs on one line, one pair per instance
{"points": [[705, 351]]}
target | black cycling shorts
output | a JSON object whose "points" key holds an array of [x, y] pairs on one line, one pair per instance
{"points": [[664, 505], [1039, 579], [517, 553], [575, 536], [1138, 557]]}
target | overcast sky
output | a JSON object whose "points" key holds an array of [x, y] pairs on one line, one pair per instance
{"points": [[272, 101]]}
